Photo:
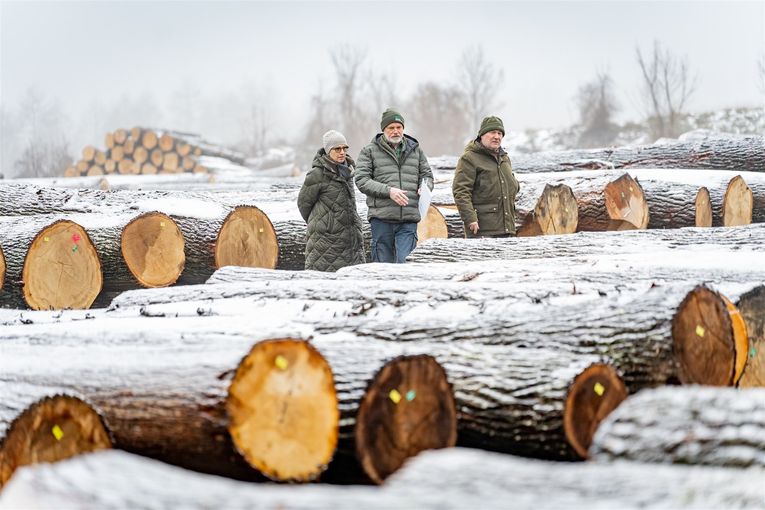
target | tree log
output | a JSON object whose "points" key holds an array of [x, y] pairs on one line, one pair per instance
{"points": [[35, 427], [744, 153], [117, 153], [556, 212], [132, 251], [589, 244], [120, 136], [51, 264], [109, 140], [114, 480], [751, 305], [2, 268], [95, 170], [732, 206], [149, 139], [88, 153], [187, 396], [686, 425], [166, 142]]}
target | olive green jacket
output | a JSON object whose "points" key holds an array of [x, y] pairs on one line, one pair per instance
{"points": [[327, 203], [380, 168], [484, 189]]}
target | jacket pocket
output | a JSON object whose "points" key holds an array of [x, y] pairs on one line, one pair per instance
{"points": [[489, 216]]}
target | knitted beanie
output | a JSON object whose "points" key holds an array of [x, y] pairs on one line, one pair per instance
{"points": [[333, 139], [390, 116], [491, 124]]}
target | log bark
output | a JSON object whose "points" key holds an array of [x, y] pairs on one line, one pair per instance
{"points": [[38, 427], [751, 305], [51, 264], [740, 154], [112, 480], [686, 425], [590, 244], [188, 397]]}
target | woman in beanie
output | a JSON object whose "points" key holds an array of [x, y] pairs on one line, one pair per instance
{"points": [[328, 205]]}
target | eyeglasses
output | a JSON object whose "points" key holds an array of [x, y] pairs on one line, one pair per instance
{"points": [[338, 149]]}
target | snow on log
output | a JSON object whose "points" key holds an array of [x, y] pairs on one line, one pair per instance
{"points": [[115, 480], [175, 392], [35, 427], [51, 264], [751, 305], [686, 425], [750, 237], [745, 153]]}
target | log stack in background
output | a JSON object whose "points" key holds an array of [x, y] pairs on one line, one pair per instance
{"points": [[148, 151]]}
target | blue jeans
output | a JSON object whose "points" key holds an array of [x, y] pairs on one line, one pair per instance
{"points": [[392, 242]]}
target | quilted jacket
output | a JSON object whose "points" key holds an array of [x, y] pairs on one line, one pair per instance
{"points": [[327, 203]]}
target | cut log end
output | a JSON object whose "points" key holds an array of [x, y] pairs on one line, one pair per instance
{"points": [[247, 239], [737, 203], [751, 305], [704, 339], [595, 392], [2, 269], [409, 407], [556, 213], [433, 226], [61, 269], [52, 429], [149, 139], [626, 203], [283, 411], [152, 247], [703, 208]]}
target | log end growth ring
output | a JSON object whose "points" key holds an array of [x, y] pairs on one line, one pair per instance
{"points": [[52, 429], [283, 411], [626, 204], [247, 239], [703, 208], [432, 226], [737, 203], [556, 213], [152, 247], [751, 305], [407, 408], [2, 269], [595, 392], [61, 269], [704, 339]]}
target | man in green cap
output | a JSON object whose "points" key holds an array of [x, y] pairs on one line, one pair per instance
{"points": [[390, 172], [484, 186]]}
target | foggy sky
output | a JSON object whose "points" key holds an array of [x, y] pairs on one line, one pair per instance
{"points": [[85, 53]]}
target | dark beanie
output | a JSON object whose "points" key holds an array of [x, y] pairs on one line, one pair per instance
{"points": [[390, 116], [491, 124]]}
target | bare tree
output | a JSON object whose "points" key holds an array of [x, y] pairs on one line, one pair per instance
{"points": [[382, 87], [438, 118], [43, 143], [480, 81], [667, 86], [348, 64], [597, 106], [321, 119]]}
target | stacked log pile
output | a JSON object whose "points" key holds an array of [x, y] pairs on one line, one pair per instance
{"points": [[589, 345], [148, 151]]}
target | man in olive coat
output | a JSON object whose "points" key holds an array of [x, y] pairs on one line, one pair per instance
{"points": [[390, 171], [484, 186]]}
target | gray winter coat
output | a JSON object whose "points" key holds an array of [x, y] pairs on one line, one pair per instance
{"points": [[379, 169], [327, 203]]}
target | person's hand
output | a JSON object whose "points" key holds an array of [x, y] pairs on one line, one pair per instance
{"points": [[398, 196], [473, 227]]}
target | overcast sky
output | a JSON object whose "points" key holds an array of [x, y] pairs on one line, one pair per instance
{"points": [[85, 52]]}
